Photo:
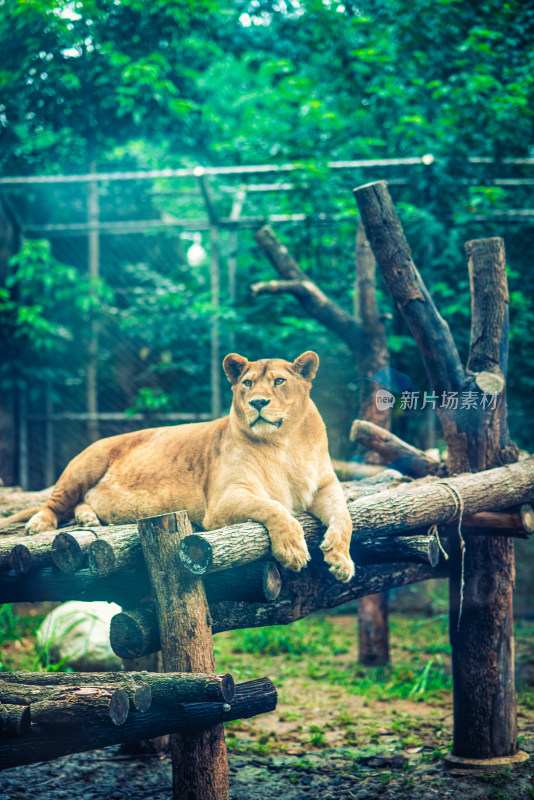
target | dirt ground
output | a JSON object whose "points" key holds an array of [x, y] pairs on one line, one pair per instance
{"points": [[108, 775]]}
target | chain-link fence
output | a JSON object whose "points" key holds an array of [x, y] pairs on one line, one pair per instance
{"points": [[141, 287]]}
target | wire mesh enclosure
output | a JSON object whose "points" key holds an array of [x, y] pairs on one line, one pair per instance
{"points": [[140, 281]]}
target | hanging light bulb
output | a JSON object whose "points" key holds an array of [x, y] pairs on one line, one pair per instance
{"points": [[196, 255]]}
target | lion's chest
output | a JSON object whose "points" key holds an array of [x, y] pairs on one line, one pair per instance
{"points": [[291, 481]]}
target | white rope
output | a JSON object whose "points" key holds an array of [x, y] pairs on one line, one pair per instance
{"points": [[458, 511]]}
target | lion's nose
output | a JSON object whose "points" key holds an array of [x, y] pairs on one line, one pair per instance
{"points": [[259, 402]]}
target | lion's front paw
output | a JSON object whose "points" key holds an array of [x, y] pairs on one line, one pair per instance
{"points": [[335, 548], [44, 520], [289, 547], [341, 566]]}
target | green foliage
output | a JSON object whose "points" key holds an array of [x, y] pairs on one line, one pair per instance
{"points": [[138, 84]]}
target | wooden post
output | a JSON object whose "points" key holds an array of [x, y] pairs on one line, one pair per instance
{"points": [[199, 759], [482, 578], [481, 585], [373, 627]]}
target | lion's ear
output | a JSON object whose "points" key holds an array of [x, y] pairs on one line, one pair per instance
{"points": [[307, 365], [234, 365]]}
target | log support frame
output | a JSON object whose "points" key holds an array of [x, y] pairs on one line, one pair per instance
{"points": [[482, 573]]}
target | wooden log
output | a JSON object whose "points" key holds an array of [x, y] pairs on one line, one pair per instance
{"points": [[259, 582], [15, 720], [42, 685], [354, 470], [46, 583], [483, 570], [393, 255], [204, 550], [251, 698], [393, 451], [255, 583], [163, 687], [81, 707], [526, 513], [199, 762], [135, 632], [19, 552], [159, 744], [373, 626], [69, 549], [120, 548], [393, 511]]}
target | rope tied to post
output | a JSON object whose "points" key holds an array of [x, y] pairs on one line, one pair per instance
{"points": [[458, 512]]}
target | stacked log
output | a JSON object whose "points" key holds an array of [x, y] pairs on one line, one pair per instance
{"points": [[40, 711]]}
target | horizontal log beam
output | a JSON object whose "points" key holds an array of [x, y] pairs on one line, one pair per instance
{"points": [[81, 707], [162, 687], [29, 687], [135, 632], [251, 698], [393, 511], [254, 583], [20, 553]]}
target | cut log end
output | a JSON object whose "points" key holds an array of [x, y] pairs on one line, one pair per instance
{"points": [[227, 687], [15, 720], [196, 554], [119, 706], [272, 582], [142, 698], [101, 558], [527, 517], [20, 559]]}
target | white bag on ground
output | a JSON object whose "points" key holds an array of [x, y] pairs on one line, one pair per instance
{"points": [[77, 635]]}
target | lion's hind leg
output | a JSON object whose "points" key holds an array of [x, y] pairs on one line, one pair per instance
{"points": [[85, 515]]}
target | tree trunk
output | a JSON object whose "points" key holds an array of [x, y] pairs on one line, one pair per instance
{"points": [[200, 762], [373, 630], [482, 576], [477, 438]]}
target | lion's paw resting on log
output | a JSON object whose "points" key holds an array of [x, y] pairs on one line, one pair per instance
{"points": [[266, 460]]}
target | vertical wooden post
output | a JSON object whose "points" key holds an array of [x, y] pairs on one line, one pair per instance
{"points": [[373, 627], [481, 586], [199, 761]]}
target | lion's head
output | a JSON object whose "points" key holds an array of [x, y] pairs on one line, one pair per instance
{"points": [[270, 394]]}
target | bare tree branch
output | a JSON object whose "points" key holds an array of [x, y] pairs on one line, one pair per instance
{"points": [[313, 300]]}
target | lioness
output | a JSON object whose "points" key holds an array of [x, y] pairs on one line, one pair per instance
{"points": [[265, 460]]}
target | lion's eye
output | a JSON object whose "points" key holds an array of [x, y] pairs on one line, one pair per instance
{"points": [[278, 381], [247, 383]]}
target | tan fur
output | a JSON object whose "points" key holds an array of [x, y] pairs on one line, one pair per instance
{"points": [[265, 461]]}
